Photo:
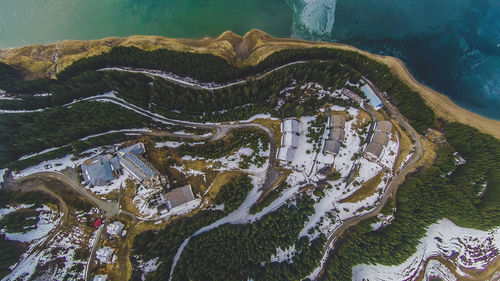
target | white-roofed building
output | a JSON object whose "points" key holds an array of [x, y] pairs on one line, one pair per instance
{"points": [[290, 139], [289, 125], [104, 254], [286, 154], [115, 228]]}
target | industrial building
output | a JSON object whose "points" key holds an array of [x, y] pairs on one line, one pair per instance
{"points": [[178, 196], [379, 140], [100, 170], [336, 124], [289, 140]]}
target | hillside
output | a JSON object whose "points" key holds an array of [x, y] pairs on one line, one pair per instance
{"points": [[47, 60]]}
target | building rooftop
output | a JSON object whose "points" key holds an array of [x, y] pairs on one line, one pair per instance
{"points": [[384, 126], [336, 121], [375, 149], [289, 125], [137, 166], [115, 228], [178, 196], [98, 171], [332, 146], [136, 149], [371, 96], [286, 154], [380, 138], [290, 139], [104, 254], [337, 133]]}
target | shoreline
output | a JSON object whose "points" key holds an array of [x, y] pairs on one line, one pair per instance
{"points": [[46, 60]]}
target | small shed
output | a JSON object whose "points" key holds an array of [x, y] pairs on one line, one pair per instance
{"points": [[104, 254], [115, 228]]}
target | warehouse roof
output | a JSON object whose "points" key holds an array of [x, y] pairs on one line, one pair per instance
{"points": [[178, 196]]}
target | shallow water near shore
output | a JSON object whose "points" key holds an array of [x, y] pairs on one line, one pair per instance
{"points": [[452, 46]]}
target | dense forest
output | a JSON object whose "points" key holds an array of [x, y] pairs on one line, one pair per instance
{"points": [[164, 243], [444, 190], [243, 251], [81, 79], [269, 198], [33, 132], [171, 100], [203, 67], [233, 193]]}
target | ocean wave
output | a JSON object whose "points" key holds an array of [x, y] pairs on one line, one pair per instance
{"points": [[312, 19]]}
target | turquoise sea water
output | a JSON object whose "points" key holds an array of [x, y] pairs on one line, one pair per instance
{"points": [[451, 45]]}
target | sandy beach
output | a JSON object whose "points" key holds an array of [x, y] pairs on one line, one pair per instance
{"points": [[46, 60]]}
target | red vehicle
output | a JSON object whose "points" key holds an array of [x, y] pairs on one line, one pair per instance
{"points": [[97, 223]]}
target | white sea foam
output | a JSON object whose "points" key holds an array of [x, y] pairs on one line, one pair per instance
{"points": [[313, 17]]}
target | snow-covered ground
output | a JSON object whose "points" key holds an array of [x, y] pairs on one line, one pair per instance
{"points": [[348, 209], [466, 248], [390, 153], [57, 255], [435, 269], [188, 81], [2, 175], [282, 255], [38, 153], [137, 130], [48, 220], [172, 144], [352, 145], [59, 164], [142, 201], [148, 267], [255, 117]]}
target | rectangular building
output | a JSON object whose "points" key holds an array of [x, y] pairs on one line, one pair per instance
{"points": [[178, 196], [286, 154], [99, 171], [336, 137], [379, 140], [289, 125]]}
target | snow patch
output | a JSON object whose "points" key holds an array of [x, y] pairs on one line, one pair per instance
{"points": [[464, 247]]}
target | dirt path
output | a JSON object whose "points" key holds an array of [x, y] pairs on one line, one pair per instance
{"points": [[108, 208], [31, 186]]}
